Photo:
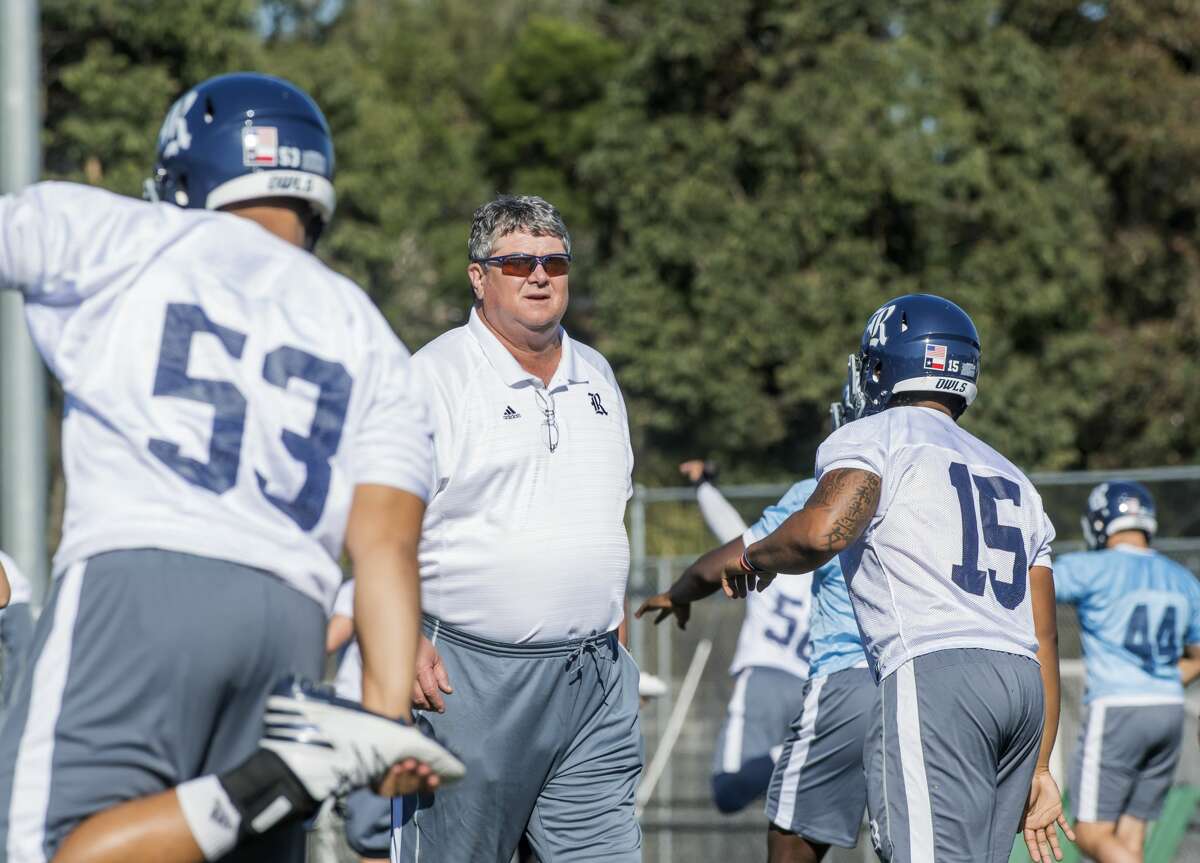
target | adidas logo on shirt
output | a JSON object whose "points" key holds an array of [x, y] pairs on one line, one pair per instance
{"points": [[510, 414]]}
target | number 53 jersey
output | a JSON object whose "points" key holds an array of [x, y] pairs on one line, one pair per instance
{"points": [[944, 563], [1137, 610], [224, 390]]}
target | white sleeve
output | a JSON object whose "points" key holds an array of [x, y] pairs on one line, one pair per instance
{"points": [[50, 233], [858, 445], [394, 446], [62, 244], [1042, 555], [720, 516], [20, 587]]}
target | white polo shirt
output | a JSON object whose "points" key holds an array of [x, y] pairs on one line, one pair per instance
{"points": [[521, 543]]}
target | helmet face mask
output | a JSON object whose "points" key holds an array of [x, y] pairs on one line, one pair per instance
{"points": [[917, 343], [245, 137], [1117, 506], [851, 406]]}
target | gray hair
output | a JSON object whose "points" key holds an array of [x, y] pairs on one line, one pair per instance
{"points": [[509, 214]]}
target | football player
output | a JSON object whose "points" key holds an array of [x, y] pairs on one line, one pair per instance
{"points": [[769, 666], [1139, 613], [234, 411], [946, 550], [816, 790]]}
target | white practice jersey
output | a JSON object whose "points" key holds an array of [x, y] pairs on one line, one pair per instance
{"points": [[225, 391], [775, 629], [22, 590], [945, 561]]}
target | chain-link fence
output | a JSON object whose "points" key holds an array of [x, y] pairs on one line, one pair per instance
{"points": [[668, 533]]}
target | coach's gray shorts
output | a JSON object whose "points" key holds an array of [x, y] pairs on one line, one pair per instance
{"points": [[818, 789], [16, 637], [148, 668], [950, 754], [1125, 760], [761, 709], [553, 747]]}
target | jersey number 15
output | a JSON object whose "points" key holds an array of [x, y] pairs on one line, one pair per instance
{"points": [[997, 536], [219, 473]]}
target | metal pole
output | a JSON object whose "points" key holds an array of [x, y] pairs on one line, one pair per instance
{"points": [[22, 378], [666, 671], [637, 572]]}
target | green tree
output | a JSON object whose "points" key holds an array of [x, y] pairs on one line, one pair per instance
{"points": [[112, 69], [773, 173], [1128, 74]]}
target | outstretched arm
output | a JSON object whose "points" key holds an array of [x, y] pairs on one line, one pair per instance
{"points": [[701, 579], [720, 516], [1044, 808], [841, 507]]}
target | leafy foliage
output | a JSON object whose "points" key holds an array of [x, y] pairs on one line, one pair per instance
{"points": [[745, 181]]}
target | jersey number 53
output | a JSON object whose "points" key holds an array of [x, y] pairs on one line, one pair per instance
{"points": [[219, 473]]}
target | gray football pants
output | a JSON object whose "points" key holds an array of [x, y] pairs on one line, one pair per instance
{"points": [[148, 668], [553, 747], [950, 754]]}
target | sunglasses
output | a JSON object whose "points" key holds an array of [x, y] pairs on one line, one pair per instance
{"points": [[558, 264]]}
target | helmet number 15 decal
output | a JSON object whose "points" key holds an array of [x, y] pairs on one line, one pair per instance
{"points": [[996, 536], [220, 473]]}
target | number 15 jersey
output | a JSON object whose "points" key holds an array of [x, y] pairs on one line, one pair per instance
{"points": [[944, 563], [225, 391]]}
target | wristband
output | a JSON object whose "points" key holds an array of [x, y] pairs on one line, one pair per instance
{"points": [[748, 567]]}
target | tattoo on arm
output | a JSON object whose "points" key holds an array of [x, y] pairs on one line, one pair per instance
{"points": [[852, 496]]}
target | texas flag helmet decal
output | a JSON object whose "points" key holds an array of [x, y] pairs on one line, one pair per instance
{"points": [[935, 357], [260, 146]]}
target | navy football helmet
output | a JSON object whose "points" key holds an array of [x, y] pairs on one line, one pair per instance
{"points": [[917, 343], [242, 137], [1116, 506]]}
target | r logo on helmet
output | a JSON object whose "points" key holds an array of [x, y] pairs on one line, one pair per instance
{"points": [[877, 325], [174, 135]]}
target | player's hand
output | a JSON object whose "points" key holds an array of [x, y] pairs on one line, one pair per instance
{"points": [[693, 470], [408, 777], [665, 607], [1042, 813], [737, 583], [431, 680]]}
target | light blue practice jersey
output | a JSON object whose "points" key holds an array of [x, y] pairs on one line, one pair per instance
{"points": [[836, 643], [1137, 609]]}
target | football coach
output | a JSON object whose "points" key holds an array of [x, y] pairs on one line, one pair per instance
{"points": [[524, 560]]}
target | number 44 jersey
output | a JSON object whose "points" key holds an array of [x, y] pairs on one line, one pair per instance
{"points": [[1137, 610], [224, 390], [944, 563]]}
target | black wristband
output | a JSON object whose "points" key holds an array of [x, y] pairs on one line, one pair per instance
{"points": [[257, 784]]}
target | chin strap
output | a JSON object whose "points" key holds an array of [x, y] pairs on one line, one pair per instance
{"points": [[313, 228]]}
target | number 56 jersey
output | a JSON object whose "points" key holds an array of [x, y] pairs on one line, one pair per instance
{"points": [[944, 563], [224, 390]]}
